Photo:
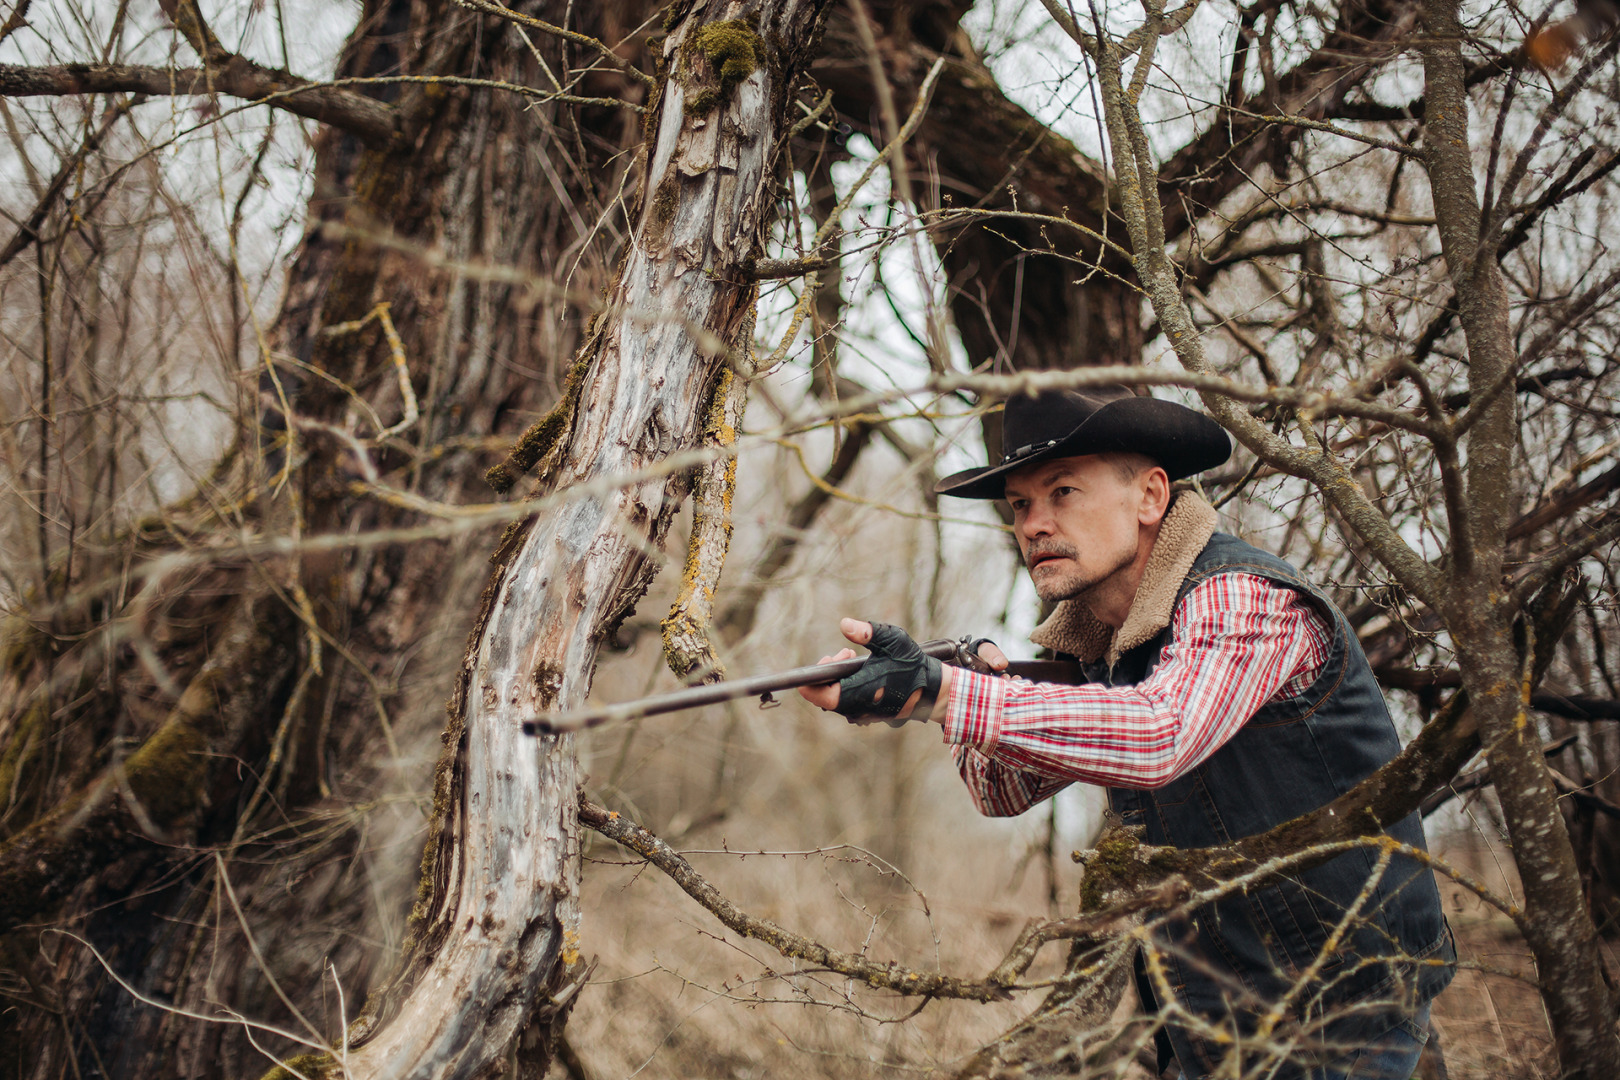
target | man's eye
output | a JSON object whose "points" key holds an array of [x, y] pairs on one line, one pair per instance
{"points": [[1063, 491]]}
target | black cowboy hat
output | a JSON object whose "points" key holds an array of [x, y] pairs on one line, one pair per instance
{"points": [[1096, 420]]}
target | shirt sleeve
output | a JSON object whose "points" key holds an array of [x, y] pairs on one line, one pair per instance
{"points": [[1237, 641]]}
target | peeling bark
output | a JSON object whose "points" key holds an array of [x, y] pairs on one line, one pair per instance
{"points": [[503, 909], [266, 754]]}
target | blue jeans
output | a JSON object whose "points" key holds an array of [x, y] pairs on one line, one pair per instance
{"points": [[1393, 1056]]}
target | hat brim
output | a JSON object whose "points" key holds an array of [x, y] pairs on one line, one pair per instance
{"points": [[1183, 441]]}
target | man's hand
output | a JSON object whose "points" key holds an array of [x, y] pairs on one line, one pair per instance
{"points": [[829, 695], [825, 695], [896, 667]]}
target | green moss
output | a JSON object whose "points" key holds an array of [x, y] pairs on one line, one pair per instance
{"points": [[1108, 864], [531, 446], [312, 1066], [546, 432], [674, 14], [649, 119], [702, 102], [166, 772], [733, 50], [661, 213], [732, 47]]}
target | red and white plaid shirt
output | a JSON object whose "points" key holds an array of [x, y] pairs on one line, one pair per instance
{"points": [[1237, 642]]}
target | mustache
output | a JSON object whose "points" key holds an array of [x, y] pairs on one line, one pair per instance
{"points": [[1043, 551]]}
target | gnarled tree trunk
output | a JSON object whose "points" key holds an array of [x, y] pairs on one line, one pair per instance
{"points": [[501, 914]]}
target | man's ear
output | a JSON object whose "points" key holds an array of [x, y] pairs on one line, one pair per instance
{"points": [[1155, 496]]}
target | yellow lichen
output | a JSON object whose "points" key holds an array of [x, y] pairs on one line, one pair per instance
{"points": [[688, 619], [310, 1066]]}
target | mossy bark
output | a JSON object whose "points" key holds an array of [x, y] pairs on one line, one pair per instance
{"points": [[161, 785], [688, 648]]}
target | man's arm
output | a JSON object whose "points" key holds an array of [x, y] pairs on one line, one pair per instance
{"points": [[1237, 642], [1000, 790]]}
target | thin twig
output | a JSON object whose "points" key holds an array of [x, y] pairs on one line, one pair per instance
{"points": [[502, 12]]}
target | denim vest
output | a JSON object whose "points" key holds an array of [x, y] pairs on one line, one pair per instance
{"points": [[1235, 956]]}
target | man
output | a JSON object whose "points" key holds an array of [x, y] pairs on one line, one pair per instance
{"points": [[1225, 694]]}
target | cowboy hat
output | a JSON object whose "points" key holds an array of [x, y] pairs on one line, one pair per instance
{"points": [[1094, 420]]}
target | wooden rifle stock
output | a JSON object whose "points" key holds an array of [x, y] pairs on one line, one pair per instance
{"points": [[765, 687]]}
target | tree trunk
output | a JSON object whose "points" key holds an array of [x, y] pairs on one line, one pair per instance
{"points": [[1016, 296], [1557, 925], [502, 909]]}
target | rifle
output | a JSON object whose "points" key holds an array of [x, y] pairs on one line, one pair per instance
{"points": [[765, 687]]}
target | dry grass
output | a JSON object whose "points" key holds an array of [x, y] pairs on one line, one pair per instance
{"points": [[675, 994]]}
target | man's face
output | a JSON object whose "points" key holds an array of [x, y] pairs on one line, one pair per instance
{"points": [[1078, 522]]}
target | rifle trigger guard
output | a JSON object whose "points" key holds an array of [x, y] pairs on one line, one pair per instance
{"points": [[768, 701]]}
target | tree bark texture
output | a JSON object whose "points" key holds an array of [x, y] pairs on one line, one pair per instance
{"points": [[502, 869]]}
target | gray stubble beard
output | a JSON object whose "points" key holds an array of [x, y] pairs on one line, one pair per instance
{"points": [[1057, 592]]}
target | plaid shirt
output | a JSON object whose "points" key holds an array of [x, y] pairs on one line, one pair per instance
{"points": [[1237, 641]]}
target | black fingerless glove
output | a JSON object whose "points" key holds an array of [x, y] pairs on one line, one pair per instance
{"points": [[896, 669]]}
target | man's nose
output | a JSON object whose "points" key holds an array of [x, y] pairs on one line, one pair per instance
{"points": [[1037, 521]]}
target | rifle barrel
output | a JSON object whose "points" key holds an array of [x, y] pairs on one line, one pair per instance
{"points": [[762, 686]]}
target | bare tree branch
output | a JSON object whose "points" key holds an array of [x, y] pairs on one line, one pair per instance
{"points": [[28, 231], [886, 976], [371, 120]]}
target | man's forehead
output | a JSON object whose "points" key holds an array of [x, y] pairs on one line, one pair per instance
{"points": [[1042, 473]]}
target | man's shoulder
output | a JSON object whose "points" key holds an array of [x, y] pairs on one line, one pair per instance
{"points": [[1226, 554], [1264, 574]]}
